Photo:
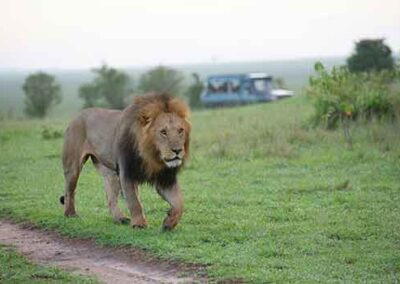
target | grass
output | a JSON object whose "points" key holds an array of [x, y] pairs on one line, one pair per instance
{"points": [[14, 268], [267, 199]]}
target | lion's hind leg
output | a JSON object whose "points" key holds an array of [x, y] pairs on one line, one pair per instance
{"points": [[75, 155], [71, 176], [71, 179]]}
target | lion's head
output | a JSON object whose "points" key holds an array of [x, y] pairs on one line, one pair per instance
{"points": [[162, 131]]}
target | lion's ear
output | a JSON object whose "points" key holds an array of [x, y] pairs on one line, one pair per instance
{"points": [[145, 120]]}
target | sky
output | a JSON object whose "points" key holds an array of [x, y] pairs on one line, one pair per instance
{"points": [[69, 34]]}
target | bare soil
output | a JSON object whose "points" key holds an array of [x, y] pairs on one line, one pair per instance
{"points": [[108, 265]]}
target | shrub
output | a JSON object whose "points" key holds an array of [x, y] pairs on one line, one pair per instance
{"points": [[109, 88], [340, 95], [41, 93], [194, 91], [161, 79]]}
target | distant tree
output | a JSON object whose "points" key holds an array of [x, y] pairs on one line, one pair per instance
{"points": [[89, 92], [113, 85], [279, 83], [41, 93], [161, 79], [109, 88], [370, 55], [194, 91]]}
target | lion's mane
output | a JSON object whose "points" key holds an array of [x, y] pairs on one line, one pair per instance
{"points": [[136, 147]]}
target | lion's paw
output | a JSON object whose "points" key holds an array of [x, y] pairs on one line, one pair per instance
{"points": [[139, 225], [169, 224], [71, 214]]}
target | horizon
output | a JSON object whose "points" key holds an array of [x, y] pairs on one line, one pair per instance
{"points": [[178, 65]]}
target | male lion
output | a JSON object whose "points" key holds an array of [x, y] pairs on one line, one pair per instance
{"points": [[146, 142]]}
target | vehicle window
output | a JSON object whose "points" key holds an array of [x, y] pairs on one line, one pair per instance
{"points": [[217, 86], [231, 85], [234, 86], [262, 85]]}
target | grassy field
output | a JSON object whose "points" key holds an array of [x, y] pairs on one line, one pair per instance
{"points": [[16, 269], [268, 200]]}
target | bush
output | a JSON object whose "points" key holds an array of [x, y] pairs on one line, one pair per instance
{"points": [[340, 95], [109, 88], [161, 79], [194, 91], [41, 93]]}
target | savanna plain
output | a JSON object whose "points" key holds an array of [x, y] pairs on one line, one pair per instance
{"points": [[268, 199]]}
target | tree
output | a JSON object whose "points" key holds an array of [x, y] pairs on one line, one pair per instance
{"points": [[279, 83], [109, 88], [89, 92], [41, 93], [370, 55], [194, 91], [161, 79]]}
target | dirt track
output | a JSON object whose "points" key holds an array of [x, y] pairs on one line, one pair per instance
{"points": [[109, 265]]}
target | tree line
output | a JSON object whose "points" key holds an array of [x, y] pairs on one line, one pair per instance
{"points": [[112, 88]]}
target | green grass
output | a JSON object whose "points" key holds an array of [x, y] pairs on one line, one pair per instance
{"points": [[14, 268], [266, 198]]}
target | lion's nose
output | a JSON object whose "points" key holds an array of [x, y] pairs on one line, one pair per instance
{"points": [[177, 150]]}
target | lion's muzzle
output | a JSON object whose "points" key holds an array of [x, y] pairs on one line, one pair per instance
{"points": [[173, 162], [173, 158]]}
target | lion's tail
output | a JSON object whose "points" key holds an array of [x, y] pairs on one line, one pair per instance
{"points": [[62, 199]]}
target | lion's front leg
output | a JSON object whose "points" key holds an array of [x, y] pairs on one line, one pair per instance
{"points": [[174, 197], [131, 192], [113, 187]]}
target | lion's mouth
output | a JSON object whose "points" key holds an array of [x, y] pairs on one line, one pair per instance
{"points": [[174, 162]]}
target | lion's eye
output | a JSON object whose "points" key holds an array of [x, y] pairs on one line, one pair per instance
{"points": [[163, 132], [180, 130]]}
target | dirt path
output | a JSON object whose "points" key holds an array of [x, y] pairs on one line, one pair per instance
{"points": [[109, 265]]}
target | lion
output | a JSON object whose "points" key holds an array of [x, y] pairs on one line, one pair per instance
{"points": [[147, 142]]}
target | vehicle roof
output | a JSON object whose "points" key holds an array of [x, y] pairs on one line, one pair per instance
{"points": [[253, 75], [259, 75]]}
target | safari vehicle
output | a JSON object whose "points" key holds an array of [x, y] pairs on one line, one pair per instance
{"points": [[238, 89]]}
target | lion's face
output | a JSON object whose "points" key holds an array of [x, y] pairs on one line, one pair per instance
{"points": [[170, 137], [162, 131]]}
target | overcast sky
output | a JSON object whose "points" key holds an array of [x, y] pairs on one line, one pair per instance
{"points": [[84, 33]]}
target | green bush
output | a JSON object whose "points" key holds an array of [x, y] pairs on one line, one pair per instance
{"points": [[194, 91], [340, 95], [41, 93], [110, 88]]}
